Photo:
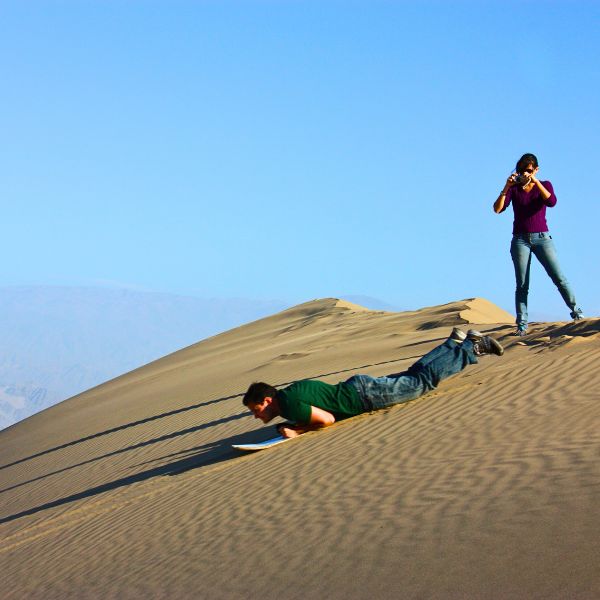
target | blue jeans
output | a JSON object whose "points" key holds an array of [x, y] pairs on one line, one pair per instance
{"points": [[523, 245], [443, 361]]}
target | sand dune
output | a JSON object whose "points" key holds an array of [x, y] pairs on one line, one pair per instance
{"points": [[485, 488]]}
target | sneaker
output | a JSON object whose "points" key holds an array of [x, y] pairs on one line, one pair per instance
{"points": [[458, 335], [484, 344], [521, 331], [577, 314]]}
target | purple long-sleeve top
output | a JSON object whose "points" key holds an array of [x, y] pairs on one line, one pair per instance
{"points": [[529, 208]]}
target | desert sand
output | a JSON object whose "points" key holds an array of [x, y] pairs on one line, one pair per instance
{"points": [[486, 488]]}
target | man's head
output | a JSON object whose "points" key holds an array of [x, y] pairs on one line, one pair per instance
{"points": [[261, 400]]}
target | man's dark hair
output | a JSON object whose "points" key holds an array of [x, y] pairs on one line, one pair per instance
{"points": [[257, 392], [525, 161]]}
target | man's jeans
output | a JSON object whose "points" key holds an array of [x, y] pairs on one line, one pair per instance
{"points": [[522, 247], [443, 361]]}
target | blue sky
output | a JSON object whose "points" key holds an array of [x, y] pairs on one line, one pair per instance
{"points": [[295, 149]]}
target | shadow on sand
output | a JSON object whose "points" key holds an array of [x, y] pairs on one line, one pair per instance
{"points": [[176, 412], [199, 456], [203, 455], [162, 438]]}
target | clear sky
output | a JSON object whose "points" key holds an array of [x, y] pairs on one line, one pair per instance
{"points": [[296, 149]]}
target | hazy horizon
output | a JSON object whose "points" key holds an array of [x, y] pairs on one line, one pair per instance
{"points": [[59, 341]]}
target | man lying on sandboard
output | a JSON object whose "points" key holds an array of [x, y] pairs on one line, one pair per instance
{"points": [[312, 404]]}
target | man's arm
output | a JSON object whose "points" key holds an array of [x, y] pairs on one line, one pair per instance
{"points": [[319, 418]]}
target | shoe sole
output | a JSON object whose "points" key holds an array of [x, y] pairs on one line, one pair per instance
{"points": [[458, 335], [496, 346]]}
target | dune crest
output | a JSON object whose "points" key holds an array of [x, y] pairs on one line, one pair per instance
{"points": [[322, 306], [470, 311], [482, 311]]}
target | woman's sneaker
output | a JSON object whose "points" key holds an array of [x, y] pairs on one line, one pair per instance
{"points": [[484, 344], [577, 314]]}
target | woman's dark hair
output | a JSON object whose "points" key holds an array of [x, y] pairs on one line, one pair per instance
{"points": [[525, 161], [257, 392]]}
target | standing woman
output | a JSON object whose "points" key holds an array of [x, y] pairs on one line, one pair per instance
{"points": [[530, 197]]}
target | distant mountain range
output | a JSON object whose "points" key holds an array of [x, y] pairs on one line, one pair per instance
{"points": [[56, 342]]}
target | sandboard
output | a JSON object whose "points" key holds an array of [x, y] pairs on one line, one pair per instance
{"points": [[261, 445]]}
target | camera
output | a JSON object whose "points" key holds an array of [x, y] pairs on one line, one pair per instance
{"points": [[522, 179]]}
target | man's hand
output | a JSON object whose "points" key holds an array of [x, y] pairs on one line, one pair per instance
{"points": [[319, 418], [287, 431]]}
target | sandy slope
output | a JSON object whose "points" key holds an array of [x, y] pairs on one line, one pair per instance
{"points": [[486, 488]]}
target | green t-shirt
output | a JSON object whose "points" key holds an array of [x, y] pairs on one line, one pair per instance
{"points": [[341, 400]]}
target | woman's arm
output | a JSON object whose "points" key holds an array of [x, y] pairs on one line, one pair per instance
{"points": [[501, 200], [547, 195]]}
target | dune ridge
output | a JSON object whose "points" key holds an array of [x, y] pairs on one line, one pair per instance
{"points": [[485, 488]]}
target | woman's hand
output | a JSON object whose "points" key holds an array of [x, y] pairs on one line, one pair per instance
{"points": [[499, 203], [510, 181], [546, 194]]}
